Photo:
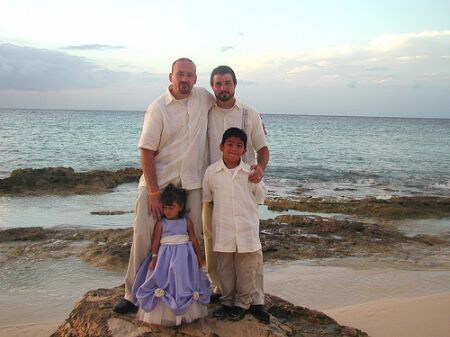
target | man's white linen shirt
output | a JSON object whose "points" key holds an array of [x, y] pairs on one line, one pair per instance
{"points": [[177, 130], [235, 222], [220, 120]]}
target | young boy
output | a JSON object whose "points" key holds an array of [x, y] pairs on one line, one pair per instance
{"points": [[235, 225]]}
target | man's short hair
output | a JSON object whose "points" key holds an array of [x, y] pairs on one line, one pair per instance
{"points": [[235, 132], [183, 59], [223, 70]]}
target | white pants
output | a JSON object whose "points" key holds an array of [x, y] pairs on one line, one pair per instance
{"points": [[143, 231], [211, 259]]}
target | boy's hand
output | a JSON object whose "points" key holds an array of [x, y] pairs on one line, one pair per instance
{"points": [[256, 174]]}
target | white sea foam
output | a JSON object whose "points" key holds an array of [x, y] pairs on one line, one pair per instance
{"points": [[441, 186], [383, 197]]}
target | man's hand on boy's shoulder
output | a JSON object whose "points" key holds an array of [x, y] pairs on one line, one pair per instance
{"points": [[256, 174]]}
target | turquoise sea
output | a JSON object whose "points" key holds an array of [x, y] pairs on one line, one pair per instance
{"points": [[323, 155]]}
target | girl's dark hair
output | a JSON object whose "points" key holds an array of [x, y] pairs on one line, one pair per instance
{"points": [[173, 194]]}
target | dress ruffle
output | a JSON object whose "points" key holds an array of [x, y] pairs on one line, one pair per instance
{"points": [[176, 290]]}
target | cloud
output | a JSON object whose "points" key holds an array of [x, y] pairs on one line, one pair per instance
{"points": [[387, 42], [245, 82], [411, 58], [92, 47], [25, 68], [224, 49], [377, 69], [302, 69], [388, 60]]}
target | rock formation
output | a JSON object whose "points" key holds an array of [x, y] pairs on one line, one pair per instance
{"points": [[396, 207], [93, 317], [64, 180]]}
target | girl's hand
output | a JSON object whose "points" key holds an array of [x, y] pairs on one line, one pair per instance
{"points": [[201, 262], [152, 264]]}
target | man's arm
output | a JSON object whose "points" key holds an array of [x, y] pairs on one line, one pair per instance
{"points": [[258, 169], [154, 206]]}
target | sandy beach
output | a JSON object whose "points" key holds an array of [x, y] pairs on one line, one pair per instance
{"points": [[384, 302], [33, 329], [399, 317], [388, 277]]}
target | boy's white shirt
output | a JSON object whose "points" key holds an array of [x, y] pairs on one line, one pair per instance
{"points": [[235, 223]]}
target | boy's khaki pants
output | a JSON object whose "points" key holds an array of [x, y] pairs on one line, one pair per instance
{"points": [[211, 259], [237, 272], [143, 231]]}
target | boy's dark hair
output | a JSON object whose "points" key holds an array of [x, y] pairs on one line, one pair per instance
{"points": [[234, 132], [222, 70], [173, 194]]}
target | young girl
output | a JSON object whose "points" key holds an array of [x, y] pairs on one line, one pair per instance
{"points": [[170, 285]]}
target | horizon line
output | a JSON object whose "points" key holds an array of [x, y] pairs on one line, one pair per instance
{"points": [[281, 113]]}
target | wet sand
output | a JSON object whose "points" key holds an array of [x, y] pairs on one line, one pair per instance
{"points": [[29, 330], [375, 278], [383, 301], [378, 299], [397, 317]]}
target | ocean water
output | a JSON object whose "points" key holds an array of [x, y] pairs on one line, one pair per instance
{"points": [[322, 155]]}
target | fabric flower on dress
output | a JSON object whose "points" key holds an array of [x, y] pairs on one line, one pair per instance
{"points": [[159, 292], [196, 295]]}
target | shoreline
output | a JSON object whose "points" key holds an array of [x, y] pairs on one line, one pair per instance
{"points": [[43, 329], [383, 302], [352, 268], [375, 309], [399, 317]]}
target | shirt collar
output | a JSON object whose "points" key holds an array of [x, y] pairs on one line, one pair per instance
{"points": [[169, 98], [237, 104], [242, 166]]}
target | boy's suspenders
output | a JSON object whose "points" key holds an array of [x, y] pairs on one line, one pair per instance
{"points": [[244, 125]]}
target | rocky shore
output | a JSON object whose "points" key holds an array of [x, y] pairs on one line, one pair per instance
{"points": [[286, 237], [64, 181], [396, 207], [93, 316], [367, 235]]}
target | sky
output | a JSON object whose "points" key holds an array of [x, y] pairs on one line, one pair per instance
{"points": [[317, 57]]}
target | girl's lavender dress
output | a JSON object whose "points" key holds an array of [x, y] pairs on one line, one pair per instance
{"points": [[177, 289]]}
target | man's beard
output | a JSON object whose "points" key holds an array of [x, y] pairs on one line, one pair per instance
{"points": [[184, 88], [224, 96]]}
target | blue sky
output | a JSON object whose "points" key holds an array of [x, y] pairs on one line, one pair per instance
{"points": [[380, 58]]}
